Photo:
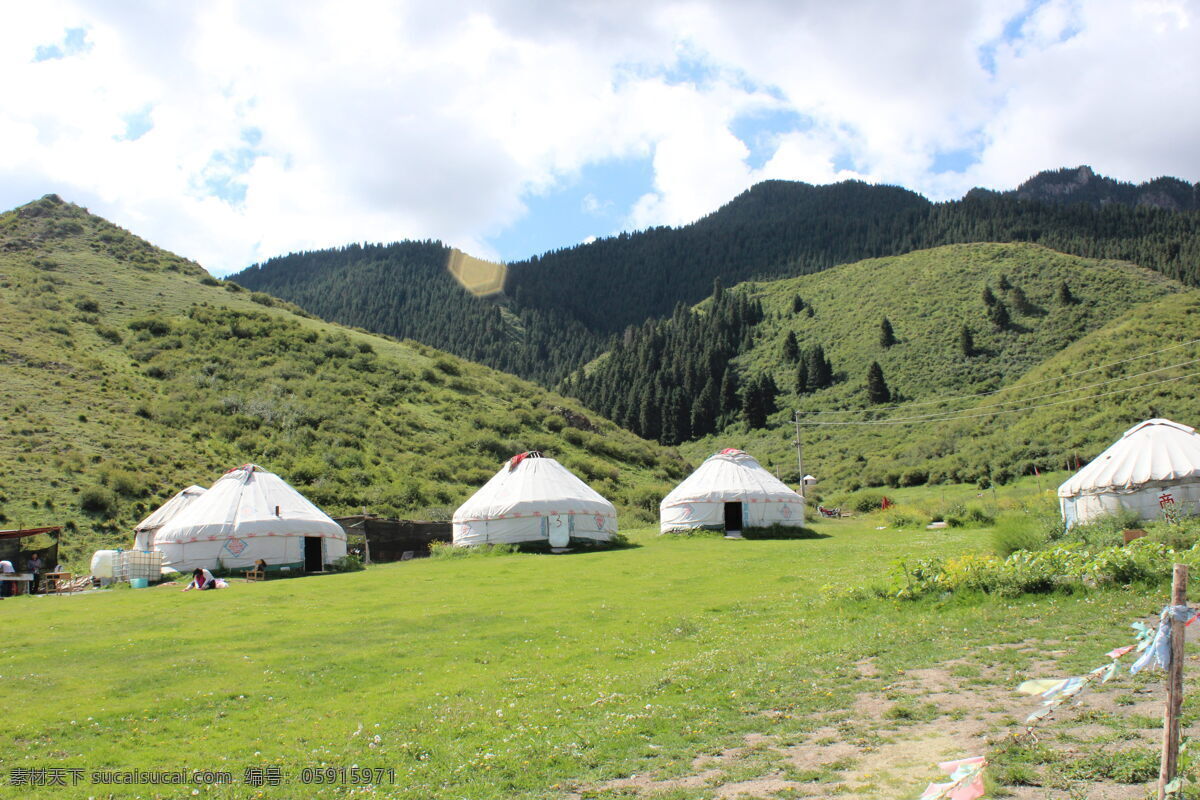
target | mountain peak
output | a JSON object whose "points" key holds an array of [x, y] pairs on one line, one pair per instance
{"points": [[1082, 185]]}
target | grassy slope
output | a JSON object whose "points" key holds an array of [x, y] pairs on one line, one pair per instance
{"points": [[524, 676], [928, 296], [124, 377]]}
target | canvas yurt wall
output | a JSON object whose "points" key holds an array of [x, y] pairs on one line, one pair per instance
{"points": [[1155, 463], [246, 515], [531, 500], [143, 534], [728, 488]]}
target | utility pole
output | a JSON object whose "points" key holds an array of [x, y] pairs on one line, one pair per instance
{"points": [[799, 452]]}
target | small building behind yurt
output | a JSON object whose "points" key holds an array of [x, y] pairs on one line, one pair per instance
{"points": [[730, 492], [534, 500], [144, 533], [246, 515], [1154, 465]]}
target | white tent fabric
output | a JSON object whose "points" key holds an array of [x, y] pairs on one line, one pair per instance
{"points": [[534, 499], [1155, 463], [246, 515], [143, 534], [730, 476]]}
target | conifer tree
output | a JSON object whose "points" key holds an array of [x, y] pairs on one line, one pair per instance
{"points": [[966, 341], [769, 391], [676, 422], [791, 350], [887, 337], [877, 388], [729, 393], [820, 371], [1004, 283], [704, 410], [802, 384], [989, 299], [753, 410], [798, 304], [999, 316], [1020, 302], [758, 400], [1065, 298]]}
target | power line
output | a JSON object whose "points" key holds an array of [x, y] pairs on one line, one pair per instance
{"points": [[1042, 396], [1019, 385], [957, 416]]}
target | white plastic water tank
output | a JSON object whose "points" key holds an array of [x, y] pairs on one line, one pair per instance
{"points": [[103, 563]]}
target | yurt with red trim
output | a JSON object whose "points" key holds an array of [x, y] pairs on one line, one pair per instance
{"points": [[730, 492], [147, 529], [246, 515], [535, 500], [1153, 467]]}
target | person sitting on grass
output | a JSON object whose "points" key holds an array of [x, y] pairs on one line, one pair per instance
{"points": [[201, 579]]}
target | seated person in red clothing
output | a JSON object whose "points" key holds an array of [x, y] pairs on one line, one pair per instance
{"points": [[201, 579]]}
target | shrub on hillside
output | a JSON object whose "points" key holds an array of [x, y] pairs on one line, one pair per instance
{"points": [[447, 367], [155, 326], [1013, 533], [971, 517], [109, 334], [901, 520], [864, 502], [97, 500]]}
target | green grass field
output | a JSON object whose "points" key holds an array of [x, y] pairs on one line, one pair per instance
{"points": [[559, 676]]}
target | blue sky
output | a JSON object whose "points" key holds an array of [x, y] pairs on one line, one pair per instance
{"points": [[231, 133]]}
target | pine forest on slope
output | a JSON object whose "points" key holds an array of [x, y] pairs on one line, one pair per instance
{"points": [[562, 309], [128, 373]]}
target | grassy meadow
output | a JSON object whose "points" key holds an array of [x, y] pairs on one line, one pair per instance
{"points": [[680, 667]]}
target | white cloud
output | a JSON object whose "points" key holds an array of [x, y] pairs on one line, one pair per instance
{"points": [[280, 126]]}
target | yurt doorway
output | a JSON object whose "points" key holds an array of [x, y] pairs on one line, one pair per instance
{"points": [[733, 517], [312, 554]]}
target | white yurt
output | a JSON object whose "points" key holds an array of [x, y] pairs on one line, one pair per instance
{"points": [[144, 533], [730, 491], [1155, 463], [534, 499], [246, 515]]}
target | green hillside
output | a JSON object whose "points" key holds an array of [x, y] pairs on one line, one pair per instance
{"points": [[1049, 400], [927, 297], [127, 373]]}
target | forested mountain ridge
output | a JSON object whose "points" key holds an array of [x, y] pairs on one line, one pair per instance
{"points": [[561, 309], [128, 373], [404, 290], [1082, 185]]}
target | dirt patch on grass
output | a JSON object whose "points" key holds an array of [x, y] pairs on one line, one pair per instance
{"points": [[895, 734]]}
